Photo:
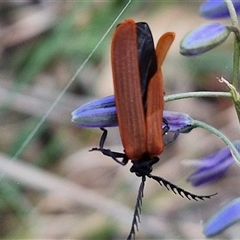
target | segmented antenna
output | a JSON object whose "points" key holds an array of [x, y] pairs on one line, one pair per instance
{"points": [[177, 190], [137, 210]]}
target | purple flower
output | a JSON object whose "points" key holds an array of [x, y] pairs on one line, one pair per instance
{"points": [[223, 219], [103, 113], [178, 122], [203, 39], [213, 167], [213, 9], [98, 113]]}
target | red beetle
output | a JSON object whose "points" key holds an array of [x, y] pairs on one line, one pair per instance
{"points": [[139, 97]]}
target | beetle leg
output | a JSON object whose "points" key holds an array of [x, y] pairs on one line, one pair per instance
{"points": [[108, 152]]}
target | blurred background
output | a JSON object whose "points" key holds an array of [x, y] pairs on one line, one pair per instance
{"points": [[51, 186]]}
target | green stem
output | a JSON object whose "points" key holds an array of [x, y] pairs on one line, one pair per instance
{"points": [[236, 52], [235, 96], [179, 96], [236, 56], [233, 13], [209, 128]]}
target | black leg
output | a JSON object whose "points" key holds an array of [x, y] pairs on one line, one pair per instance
{"points": [[108, 152], [175, 136], [103, 137], [166, 128]]}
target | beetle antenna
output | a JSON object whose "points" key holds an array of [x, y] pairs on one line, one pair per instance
{"points": [[177, 190], [137, 210]]}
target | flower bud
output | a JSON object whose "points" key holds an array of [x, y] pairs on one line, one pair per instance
{"points": [[203, 39], [98, 113], [223, 219], [214, 9], [213, 167], [103, 113]]}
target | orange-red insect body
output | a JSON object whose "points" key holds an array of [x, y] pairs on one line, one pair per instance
{"points": [[127, 90], [140, 128], [139, 97]]}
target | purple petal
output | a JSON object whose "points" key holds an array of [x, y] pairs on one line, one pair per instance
{"points": [[213, 167], [178, 121], [99, 113], [203, 39], [214, 9], [103, 113], [223, 219]]}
